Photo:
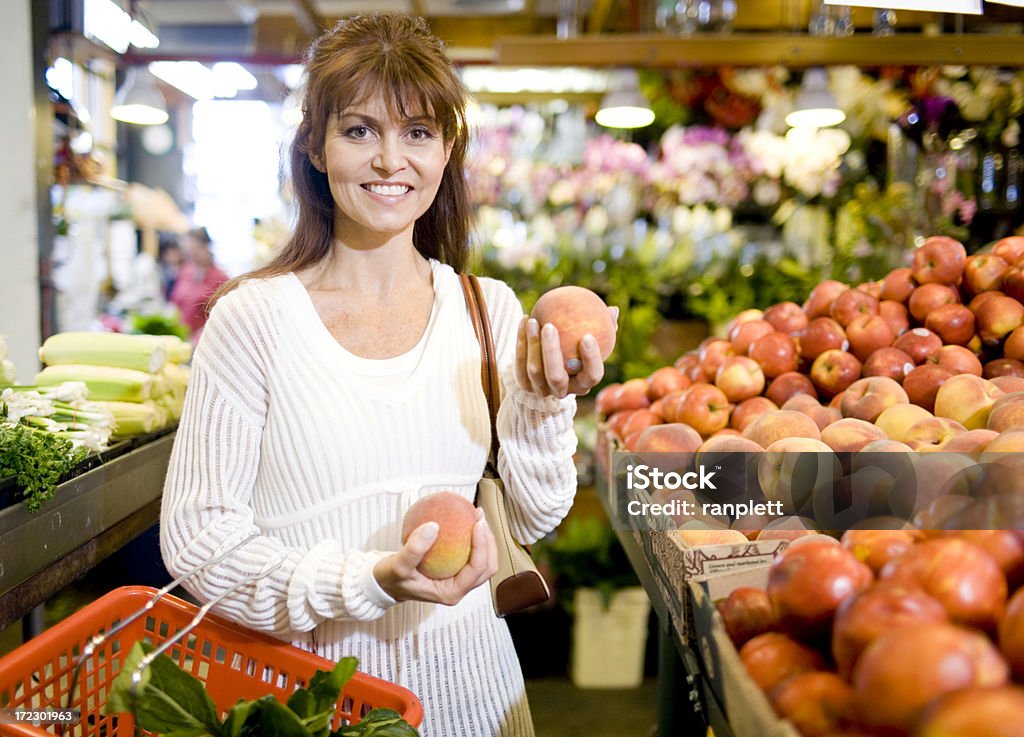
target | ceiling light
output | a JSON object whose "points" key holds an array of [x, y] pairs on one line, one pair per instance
{"points": [[139, 101], [141, 37], [973, 7], [815, 106], [625, 106]]}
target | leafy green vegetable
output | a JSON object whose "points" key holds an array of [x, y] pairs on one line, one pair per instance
{"points": [[379, 723], [169, 701], [36, 459], [173, 703]]}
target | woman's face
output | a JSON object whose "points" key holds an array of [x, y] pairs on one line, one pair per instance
{"points": [[383, 172]]}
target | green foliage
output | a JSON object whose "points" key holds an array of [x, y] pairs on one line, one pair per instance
{"points": [[585, 553], [157, 324], [173, 703], [36, 459]]}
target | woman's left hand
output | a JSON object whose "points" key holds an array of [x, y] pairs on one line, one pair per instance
{"points": [[540, 366]]}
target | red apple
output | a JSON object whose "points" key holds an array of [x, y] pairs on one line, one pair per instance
{"points": [[631, 394], [984, 272], [851, 304], [1010, 249], [975, 712], [834, 370], [998, 317], [919, 344], [786, 317], [712, 353], [746, 333], [874, 288], [689, 366], [956, 359], [749, 410], [902, 671], [890, 362], [739, 378], [787, 385], [772, 657], [639, 421], [819, 301], [953, 323], [820, 335], [1003, 367], [664, 381], [744, 316], [870, 333], [807, 583], [882, 607], [775, 353], [897, 285], [817, 704], [929, 297], [1014, 345], [746, 613], [939, 260], [922, 384], [961, 576], [1013, 282], [896, 315], [705, 408]]}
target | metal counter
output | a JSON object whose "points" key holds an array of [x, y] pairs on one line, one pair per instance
{"points": [[91, 516]]}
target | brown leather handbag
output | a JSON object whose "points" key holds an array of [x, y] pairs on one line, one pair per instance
{"points": [[517, 584]]}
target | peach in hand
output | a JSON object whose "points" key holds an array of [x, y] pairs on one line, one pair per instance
{"points": [[576, 312], [455, 516]]}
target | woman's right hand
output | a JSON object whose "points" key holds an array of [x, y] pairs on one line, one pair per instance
{"points": [[398, 577]]}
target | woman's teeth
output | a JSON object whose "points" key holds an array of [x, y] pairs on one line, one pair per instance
{"points": [[389, 190]]}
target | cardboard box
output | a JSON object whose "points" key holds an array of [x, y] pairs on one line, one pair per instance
{"points": [[747, 709], [676, 565]]}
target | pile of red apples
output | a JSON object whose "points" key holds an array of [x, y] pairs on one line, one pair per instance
{"points": [[889, 633], [929, 358]]}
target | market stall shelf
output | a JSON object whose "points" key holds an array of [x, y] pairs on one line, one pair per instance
{"points": [[93, 514]]}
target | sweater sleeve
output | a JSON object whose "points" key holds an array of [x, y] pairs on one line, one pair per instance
{"points": [[206, 502], [536, 433]]}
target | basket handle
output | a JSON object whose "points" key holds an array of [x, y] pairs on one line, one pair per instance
{"points": [[97, 640]]}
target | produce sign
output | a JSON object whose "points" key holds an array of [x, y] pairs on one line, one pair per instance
{"points": [[880, 404]]}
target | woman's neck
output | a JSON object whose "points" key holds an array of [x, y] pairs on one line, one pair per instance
{"points": [[388, 268]]}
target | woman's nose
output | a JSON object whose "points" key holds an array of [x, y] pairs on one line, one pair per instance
{"points": [[389, 156]]}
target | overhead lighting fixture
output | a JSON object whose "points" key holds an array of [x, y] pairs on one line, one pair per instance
{"points": [[815, 106], [625, 106], [971, 7], [139, 101]]}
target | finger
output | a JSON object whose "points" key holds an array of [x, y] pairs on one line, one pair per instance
{"points": [[476, 570], [419, 542], [593, 366], [534, 360], [554, 371], [522, 354]]}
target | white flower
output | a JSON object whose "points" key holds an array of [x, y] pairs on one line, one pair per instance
{"points": [[595, 222]]}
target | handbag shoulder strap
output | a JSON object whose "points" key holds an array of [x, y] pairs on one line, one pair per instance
{"points": [[488, 363]]}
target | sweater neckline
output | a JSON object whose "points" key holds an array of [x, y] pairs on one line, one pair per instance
{"points": [[352, 365]]}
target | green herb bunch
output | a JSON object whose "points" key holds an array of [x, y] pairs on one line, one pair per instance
{"points": [[36, 459], [173, 703]]}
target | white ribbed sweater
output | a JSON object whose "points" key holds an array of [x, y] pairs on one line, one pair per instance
{"points": [[280, 439]]}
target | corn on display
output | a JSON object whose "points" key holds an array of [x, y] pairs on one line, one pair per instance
{"points": [[105, 383], [135, 379], [139, 352]]}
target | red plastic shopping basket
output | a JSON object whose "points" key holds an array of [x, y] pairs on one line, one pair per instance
{"points": [[234, 662]]}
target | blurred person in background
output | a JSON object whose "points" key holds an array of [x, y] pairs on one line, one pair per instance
{"points": [[197, 280], [170, 258]]}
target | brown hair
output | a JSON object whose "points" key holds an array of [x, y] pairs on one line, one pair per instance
{"points": [[381, 52]]}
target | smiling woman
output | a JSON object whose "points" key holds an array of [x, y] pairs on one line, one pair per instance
{"points": [[340, 384]]}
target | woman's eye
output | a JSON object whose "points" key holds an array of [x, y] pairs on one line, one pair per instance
{"points": [[358, 131], [421, 133]]}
